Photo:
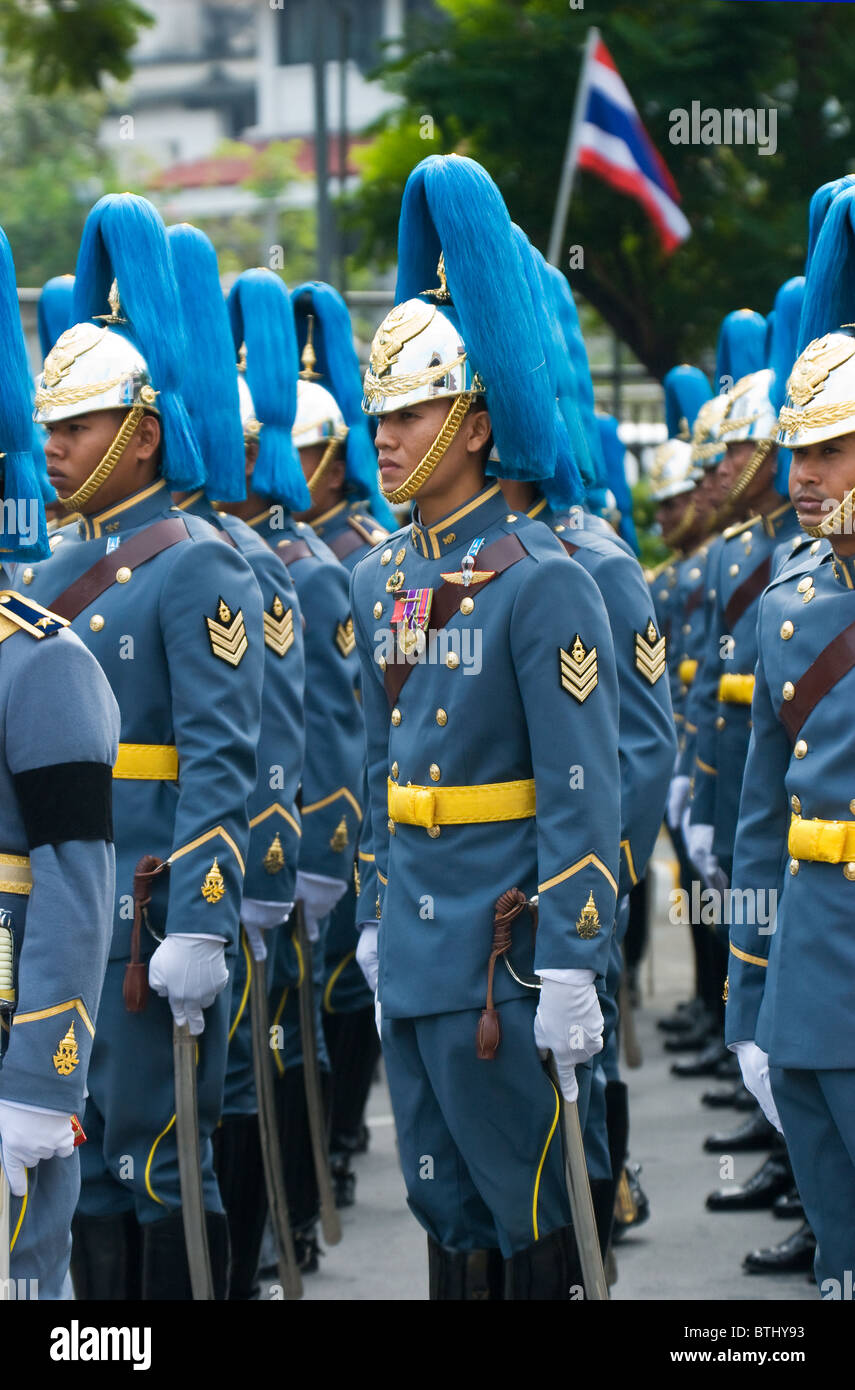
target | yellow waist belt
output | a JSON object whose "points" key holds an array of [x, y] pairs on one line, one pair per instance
{"points": [[736, 690], [147, 762], [15, 876], [687, 670], [823, 841], [430, 806]]}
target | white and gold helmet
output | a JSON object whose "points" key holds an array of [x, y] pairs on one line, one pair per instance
{"points": [[707, 445], [318, 418], [670, 471], [749, 413], [820, 400], [91, 367], [418, 354], [248, 418]]}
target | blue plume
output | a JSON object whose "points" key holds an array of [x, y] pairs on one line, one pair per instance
{"points": [[782, 353], [452, 205], [741, 347], [829, 298], [55, 310], [614, 452], [20, 478], [575, 388], [209, 386], [124, 239], [261, 316], [819, 205], [686, 390], [338, 367]]}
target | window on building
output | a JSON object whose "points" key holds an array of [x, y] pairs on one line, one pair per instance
{"points": [[295, 31]]}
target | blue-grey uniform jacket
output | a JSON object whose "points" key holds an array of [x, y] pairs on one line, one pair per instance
{"points": [[515, 695]]}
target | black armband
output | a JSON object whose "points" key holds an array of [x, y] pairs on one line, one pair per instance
{"points": [[66, 801]]}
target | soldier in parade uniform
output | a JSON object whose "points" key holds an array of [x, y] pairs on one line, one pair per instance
{"points": [[262, 322], [60, 730], [210, 391], [789, 1008], [174, 617], [456, 747]]}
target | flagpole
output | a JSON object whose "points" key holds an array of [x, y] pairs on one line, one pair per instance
{"points": [[568, 171]]}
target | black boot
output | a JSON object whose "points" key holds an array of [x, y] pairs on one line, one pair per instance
{"points": [[707, 1061], [464, 1275], [240, 1174], [759, 1192], [165, 1272], [354, 1048], [795, 1255], [546, 1270], [753, 1135], [105, 1257]]}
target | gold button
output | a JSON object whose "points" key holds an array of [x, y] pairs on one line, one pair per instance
{"points": [[96, 622], [808, 596], [401, 555], [381, 662], [29, 575], [804, 584], [123, 575], [467, 605], [852, 806], [796, 804], [801, 748], [434, 772], [433, 831], [452, 661], [788, 690], [814, 547], [694, 573], [378, 609], [794, 867], [663, 593], [390, 826], [720, 722], [849, 870], [687, 627], [394, 770], [787, 630], [512, 516], [561, 527], [396, 717], [385, 557], [734, 569], [441, 717]]}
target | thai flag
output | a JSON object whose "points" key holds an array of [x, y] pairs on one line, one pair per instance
{"points": [[612, 142]]}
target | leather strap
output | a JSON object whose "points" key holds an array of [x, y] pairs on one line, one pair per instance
{"points": [[131, 554], [694, 601], [832, 664], [289, 551], [750, 589], [497, 557], [569, 546], [345, 543]]}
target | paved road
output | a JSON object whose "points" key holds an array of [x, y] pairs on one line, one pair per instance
{"points": [[683, 1252]]}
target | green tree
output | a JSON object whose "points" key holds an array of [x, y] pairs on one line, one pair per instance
{"points": [[497, 79], [71, 43]]}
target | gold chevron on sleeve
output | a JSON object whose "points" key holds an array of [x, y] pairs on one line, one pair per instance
{"points": [[279, 627], [344, 637], [650, 653], [227, 634], [578, 669]]}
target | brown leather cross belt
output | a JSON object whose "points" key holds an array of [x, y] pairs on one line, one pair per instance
{"points": [[289, 551], [832, 664], [744, 595], [129, 555]]}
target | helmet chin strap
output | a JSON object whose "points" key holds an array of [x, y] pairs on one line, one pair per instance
{"points": [[838, 520], [423, 470], [328, 455], [101, 473], [683, 527], [747, 476]]}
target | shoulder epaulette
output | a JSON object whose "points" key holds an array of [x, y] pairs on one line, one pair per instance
{"points": [[651, 576], [19, 614], [366, 527], [739, 526]]}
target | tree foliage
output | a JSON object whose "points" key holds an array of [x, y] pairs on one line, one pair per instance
{"points": [[71, 43], [497, 79]]}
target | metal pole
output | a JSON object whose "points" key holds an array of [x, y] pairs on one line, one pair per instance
{"points": [[344, 54], [321, 152], [617, 380], [565, 187]]}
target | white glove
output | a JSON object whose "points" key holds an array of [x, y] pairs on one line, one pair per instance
{"points": [[568, 1023], [754, 1065], [320, 895], [191, 971], [257, 917], [678, 795], [367, 955], [378, 1018], [699, 840], [28, 1135]]}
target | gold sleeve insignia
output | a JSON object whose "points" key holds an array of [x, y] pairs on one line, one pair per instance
{"points": [[339, 840], [588, 922], [279, 627], [66, 1057], [344, 637], [274, 859], [578, 669], [650, 653], [213, 885], [227, 634]]}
